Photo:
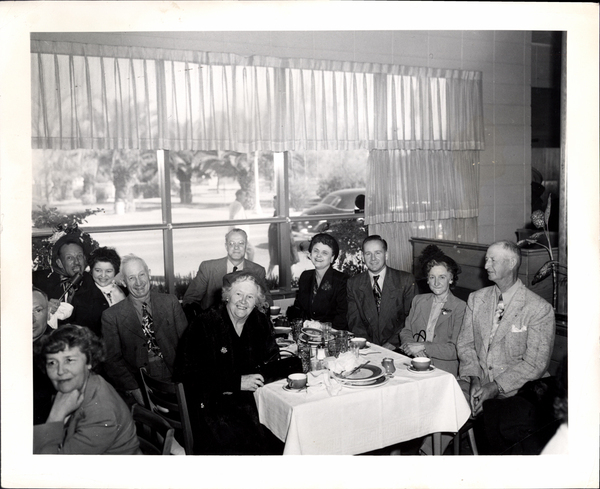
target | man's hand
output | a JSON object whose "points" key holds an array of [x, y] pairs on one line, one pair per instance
{"points": [[137, 396], [251, 382], [481, 393], [53, 305], [413, 349]]}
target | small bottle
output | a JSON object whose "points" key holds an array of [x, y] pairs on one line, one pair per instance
{"points": [[320, 358], [314, 362]]}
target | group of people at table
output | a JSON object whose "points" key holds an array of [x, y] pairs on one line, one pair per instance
{"points": [[86, 371]]}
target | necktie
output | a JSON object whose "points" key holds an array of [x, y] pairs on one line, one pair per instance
{"points": [[377, 291], [498, 313], [147, 327]]}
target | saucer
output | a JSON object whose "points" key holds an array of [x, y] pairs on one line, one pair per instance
{"points": [[412, 369], [286, 388]]}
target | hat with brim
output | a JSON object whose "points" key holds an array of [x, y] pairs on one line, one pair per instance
{"points": [[70, 238]]}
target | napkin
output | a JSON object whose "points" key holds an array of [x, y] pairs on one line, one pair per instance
{"points": [[333, 386], [344, 363], [309, 323], [63, 312]]}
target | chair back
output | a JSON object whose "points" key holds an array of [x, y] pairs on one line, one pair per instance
{"points": [[167, 399], [154, 433]]}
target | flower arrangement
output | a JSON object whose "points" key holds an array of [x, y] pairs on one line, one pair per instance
{"points": [[61, 225], [552, 267]]}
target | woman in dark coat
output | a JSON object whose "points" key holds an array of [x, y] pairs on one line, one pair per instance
{"points": [[218, 362], [321, 292]]}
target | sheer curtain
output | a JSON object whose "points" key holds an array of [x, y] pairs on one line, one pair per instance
{"points": [[423, 126]]}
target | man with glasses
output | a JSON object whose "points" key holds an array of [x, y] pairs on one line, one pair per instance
{"points": [[205, 290]]}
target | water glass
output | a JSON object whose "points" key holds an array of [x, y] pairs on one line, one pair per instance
{"points": [[342, 338], [333, 347], [326, 332], [355, 349]]}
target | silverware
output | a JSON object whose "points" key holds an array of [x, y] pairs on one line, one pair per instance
{"points": [[356, 368]]}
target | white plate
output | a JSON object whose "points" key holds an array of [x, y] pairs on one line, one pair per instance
{"points": [[379, 382], [367, 374], [411, 369]]}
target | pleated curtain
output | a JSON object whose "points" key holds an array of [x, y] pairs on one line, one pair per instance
{"points": [[423, 126]]}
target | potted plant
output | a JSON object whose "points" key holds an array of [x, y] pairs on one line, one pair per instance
{"points": [[552, 267]]}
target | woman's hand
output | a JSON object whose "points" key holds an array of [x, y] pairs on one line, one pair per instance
{"points": [[251, 382], [413, 349], [65, 404]]}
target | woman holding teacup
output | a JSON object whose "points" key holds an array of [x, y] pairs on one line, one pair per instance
{"points": [[321, 292], [218, 359], [88, 417], [434, 321]]}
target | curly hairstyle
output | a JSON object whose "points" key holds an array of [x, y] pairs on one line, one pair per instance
{"points": [[105, 255], [327, 240], [432, 256], [70, 336], [233, 278]]}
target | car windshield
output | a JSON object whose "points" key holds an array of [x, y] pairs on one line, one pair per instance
{"points": [[332, 200]]}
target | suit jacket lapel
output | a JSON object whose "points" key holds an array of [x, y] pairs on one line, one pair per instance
{"points": [[450, 305], [514, 307], [486, 317], [368, 299], [131, 320]]}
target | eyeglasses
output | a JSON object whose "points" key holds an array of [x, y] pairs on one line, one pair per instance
{"points": [[420, 335]]}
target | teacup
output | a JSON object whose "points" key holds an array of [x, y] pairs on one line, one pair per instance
{"points": [[421, 363], [361, 342], [274, 310], [297, 381]]}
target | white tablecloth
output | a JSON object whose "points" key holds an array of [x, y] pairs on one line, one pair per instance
{"points": [[408, 406]]}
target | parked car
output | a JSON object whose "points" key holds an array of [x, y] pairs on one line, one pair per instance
{"points": [[338, 202]]}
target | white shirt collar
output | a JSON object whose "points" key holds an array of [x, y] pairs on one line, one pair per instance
{"points": [[381, 275]]}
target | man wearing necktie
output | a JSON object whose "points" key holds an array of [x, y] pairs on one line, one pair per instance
{"points": [[507, 335], [69, 258], [205, 289], [142, 330], [379, 299]]}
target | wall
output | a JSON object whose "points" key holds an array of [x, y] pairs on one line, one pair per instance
{"points": [[504, 57]]}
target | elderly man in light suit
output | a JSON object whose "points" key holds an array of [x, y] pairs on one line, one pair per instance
{"points": [[507, 335], [141, 331], [204, 291], [379, 324]]}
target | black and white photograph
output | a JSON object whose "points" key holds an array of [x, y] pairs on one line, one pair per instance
{"points": [[267, 229]]}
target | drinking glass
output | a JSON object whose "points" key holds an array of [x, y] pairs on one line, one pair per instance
{"points": [[304, 354], [355, 349], [342, 338], [296, 325]]}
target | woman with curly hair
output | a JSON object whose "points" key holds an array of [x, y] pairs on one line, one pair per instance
{"points": [[87, 415], [434, 321], [322, 292], [218, 360], [93, 299]]}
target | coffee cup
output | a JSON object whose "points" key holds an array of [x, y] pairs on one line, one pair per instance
{"points": [[296, 381], [421, 363], [361, 342], [274, 310]]}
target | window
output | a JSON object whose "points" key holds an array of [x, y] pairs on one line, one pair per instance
{"points": [[188, 208]]}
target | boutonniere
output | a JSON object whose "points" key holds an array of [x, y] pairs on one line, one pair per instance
{"points": [[446, 311], [223, 350], [326, 286]]}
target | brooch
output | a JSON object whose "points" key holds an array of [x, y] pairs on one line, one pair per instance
{"points": [[326, 286], [446, 311], [223, 350]]}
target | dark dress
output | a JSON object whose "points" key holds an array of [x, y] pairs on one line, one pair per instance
{"points": [[43, 390], [330, 303], [211, 359]]}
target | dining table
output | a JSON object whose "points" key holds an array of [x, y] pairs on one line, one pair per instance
{"points": [[359, 419]]}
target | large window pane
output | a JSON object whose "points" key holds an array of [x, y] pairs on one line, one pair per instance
{"points": [[123, 183], [147, 245], [204, 184]]}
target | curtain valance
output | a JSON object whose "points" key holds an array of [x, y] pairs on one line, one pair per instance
{"points": [[117, 97]]}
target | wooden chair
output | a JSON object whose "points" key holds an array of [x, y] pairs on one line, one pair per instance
{"points": [[154, 433], [468, 429], [167, 399]]}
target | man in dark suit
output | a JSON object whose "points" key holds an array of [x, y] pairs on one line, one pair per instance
{"points": [[205, 289], [379, 299], [141, 331], [69, 257]]}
